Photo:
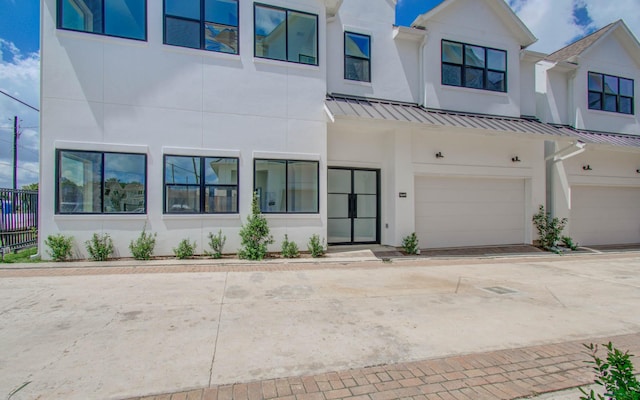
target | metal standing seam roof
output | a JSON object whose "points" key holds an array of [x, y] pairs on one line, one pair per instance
{"points": [[615, 139], [409, 112]]}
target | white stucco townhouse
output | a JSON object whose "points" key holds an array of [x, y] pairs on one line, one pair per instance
{"points": [[170, 114]]}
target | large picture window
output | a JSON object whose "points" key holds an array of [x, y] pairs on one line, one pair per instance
{"points": [[100, 183], [357, 57], [121, 18], [475, 67], [202, 24], [287, 186], [200, 185], [610, 93], [285, 35]]}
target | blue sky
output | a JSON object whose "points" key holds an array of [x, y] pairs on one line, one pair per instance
{"points": [[554, 22]]}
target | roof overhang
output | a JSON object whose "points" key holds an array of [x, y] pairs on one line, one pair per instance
{"points": [[409, 34], [332, 7], [605, 139]]}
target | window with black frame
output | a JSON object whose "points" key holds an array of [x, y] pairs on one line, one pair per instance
{"points": [[473, 66], [285, 35], [200, 185], [120, 18], [357, 57], [202, 24], [89, 182], [287, 186], [611, 93]]}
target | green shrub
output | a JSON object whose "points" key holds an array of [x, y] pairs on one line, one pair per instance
{"points": [[185, 249], [216, 242], [316, 246], [255, 237], [60, 246], [615, 374], [549, 229], [410, 244], [289, 249], [100, 247], [142, 247], [568, 242]]}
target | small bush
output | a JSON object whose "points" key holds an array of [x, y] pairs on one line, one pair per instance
{"points": [[549, 229], [255, 237], [185, 249], [289, 249], [410, 244], [60, 247], [569, 243], [216, 242], [100, 247], [615, 374], [316, 246], [142, 247]]}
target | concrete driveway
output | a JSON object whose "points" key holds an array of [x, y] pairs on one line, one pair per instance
{"points": [[112, 336]]}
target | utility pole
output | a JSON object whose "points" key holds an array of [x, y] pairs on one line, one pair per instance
{"points": [[15, 152]]}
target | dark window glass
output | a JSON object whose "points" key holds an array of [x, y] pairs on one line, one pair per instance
{"points": [[95, 182], [610, 93], [474, 66], [357, 50], [285, 35], [121, 18], [215, 30], [200, 185], [285, 186]]}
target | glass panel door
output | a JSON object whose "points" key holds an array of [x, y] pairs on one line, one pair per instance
{"points": [[353, 206]]}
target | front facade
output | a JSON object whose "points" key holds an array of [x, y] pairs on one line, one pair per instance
{"points": [[168, 115]]}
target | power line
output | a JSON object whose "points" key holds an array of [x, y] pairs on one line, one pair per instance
{"points": [[19, 167], [19, 101]]}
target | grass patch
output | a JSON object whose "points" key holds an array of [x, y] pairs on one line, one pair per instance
{"points": [[22, 256]]}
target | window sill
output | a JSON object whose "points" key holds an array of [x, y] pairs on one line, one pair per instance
{"points": [[286, 64], [200, 52], [610, 113], [98, 37], [99, 217], [357, 83], [199, 217], [467, 90]]}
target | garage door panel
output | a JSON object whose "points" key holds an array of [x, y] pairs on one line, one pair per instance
{"points": [[469, 211], [605, 215]]}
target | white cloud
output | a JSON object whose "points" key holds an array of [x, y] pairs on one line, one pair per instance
{"points": [[553, 22], [19, 77]]}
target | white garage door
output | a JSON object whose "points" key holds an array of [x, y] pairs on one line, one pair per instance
{"points": [[469, 211], [605, 215]]}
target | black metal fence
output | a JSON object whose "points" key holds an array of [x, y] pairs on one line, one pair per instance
{"points": [[18, 219]]}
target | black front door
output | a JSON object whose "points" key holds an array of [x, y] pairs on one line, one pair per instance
{"points": [[353, 207]]}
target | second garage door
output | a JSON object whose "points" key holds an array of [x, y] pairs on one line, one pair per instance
{"points": [[605, 215], [454, 212]]}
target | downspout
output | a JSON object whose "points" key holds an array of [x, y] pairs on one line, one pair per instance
{"points": [[551, 160], [422, 69]]}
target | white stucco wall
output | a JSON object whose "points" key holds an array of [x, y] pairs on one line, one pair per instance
{"points": [[110, 94]]}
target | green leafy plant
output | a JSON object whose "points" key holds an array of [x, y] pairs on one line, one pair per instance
{"points": [[60, 246], [254, 235], [289, 249], [410, 244], [100, 247], [316, 246], [216, 242], [615, 374], [185, 249], [569, 243], [142, 247], [549, 229]]}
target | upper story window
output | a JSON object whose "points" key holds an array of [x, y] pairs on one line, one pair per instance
{"points": [[357, 57], [285, 35], [610, 93], [121, 18], [287, 186], [202, 24], [200, 185], [474, 66], [91, 182]]}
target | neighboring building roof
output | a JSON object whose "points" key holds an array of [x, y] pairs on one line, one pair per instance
{"points": [[502, 10], [360, 107], [609, 138], [578, 47]]}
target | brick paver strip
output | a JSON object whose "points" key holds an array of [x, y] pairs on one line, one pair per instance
{"points": [[502, 374]]}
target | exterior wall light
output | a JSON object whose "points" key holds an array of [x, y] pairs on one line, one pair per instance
{"points": [[638, 171], [515, 159], [587, 167], [439, 155]]}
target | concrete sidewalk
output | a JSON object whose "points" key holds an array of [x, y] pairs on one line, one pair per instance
{"points": [[121, 331]]}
